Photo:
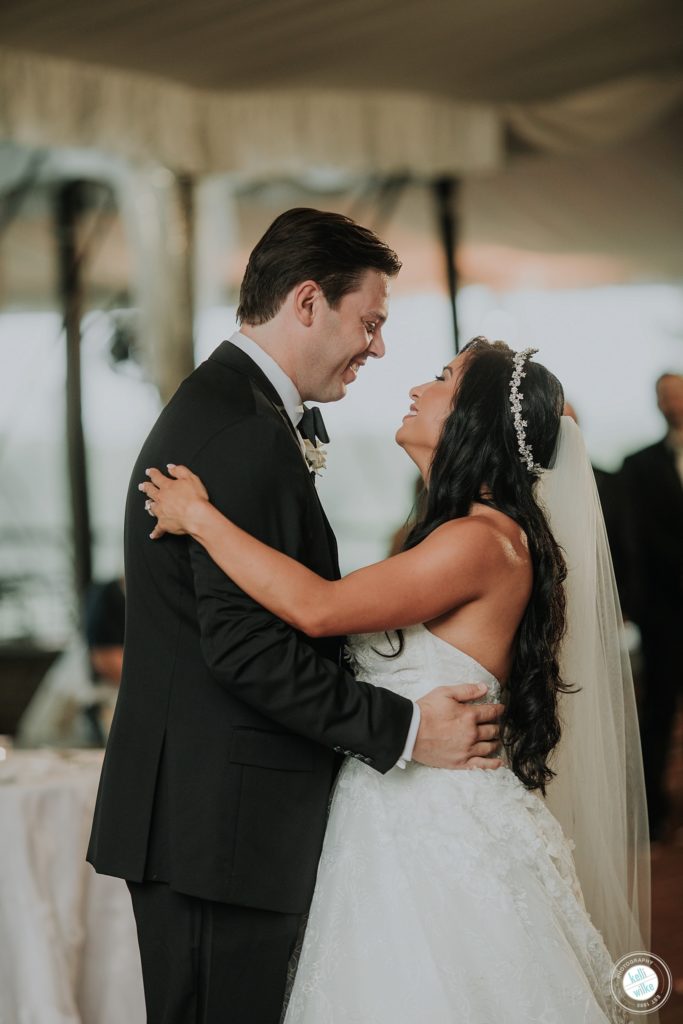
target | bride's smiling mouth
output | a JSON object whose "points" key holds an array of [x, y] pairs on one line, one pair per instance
{"points": [[413, 411]]}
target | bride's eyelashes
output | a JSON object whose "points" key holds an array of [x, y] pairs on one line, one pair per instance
{"points": [[439, 376]]}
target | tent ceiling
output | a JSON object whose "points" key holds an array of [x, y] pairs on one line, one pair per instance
{"points": [[502, 50]]}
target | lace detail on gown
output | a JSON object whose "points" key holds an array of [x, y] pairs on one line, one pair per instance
{"points": [[445, 896]]}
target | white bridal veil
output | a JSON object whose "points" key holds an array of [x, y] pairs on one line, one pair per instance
{"points": [[598, 794]]}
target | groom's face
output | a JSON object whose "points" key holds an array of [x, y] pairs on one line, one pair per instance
{"points": [[346, 337]]}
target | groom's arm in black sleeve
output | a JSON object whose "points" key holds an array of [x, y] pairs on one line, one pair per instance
{"points": [[255, 475]]}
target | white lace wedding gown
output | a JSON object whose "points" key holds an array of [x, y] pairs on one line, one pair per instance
{"points": [[445, 897]]}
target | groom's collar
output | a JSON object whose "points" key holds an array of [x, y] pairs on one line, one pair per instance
{"points": [[279, 389]]}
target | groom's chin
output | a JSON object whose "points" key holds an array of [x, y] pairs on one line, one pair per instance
{"points": [[334, 391]]}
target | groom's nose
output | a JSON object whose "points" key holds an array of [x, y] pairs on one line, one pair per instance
{"points": [[377, 349]]}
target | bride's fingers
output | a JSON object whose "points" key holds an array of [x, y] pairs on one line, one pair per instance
{"points": [[157, 532], [156, 476], [179, 472], [149, 489]]}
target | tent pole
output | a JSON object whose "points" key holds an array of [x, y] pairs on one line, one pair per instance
{"points": [[68, 208], [389, 195], [158, 210], [445, 192]]}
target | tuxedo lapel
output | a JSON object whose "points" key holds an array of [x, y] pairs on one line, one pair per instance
{"points": [[229, 355], [330, 536]]}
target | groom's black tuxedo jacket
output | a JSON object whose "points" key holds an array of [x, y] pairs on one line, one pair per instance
{"points": [[229, 724]]}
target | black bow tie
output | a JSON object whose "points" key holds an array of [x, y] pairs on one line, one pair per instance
{"points": [[311, 425]]}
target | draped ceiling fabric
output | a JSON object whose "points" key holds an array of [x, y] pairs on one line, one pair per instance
{"points": [[267, 87], [620, 208], [491, 50], [254, 132]]}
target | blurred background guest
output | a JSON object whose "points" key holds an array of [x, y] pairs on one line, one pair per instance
{"points": [[653, 488], [104, 629], [74, 703]]}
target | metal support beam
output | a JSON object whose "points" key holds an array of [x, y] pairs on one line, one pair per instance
{"points": [[158, 209], [445, 192], [68, 209]]}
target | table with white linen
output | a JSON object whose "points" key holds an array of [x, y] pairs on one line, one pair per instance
{"points": [[68, 948]]}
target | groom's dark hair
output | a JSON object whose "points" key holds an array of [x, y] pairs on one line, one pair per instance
{"points": [[302, 245]]}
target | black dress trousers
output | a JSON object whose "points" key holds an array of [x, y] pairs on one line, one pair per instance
{"points": [[206, 962]]}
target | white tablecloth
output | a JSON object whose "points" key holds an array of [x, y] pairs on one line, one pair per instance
{"points": [[68, 949]]}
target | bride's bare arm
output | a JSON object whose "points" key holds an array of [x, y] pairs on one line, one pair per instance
{"points": [[448, 569]]}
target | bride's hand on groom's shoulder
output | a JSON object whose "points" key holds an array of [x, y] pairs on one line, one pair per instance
{"points": [[455, 734], [172, 499]]}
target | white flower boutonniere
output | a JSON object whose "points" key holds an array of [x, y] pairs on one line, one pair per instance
{"points": [[315, 455]]}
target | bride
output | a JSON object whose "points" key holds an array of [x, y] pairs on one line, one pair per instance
{"points": [[472, 896]]}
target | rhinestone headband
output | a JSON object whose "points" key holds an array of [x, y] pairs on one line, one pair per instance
{"points": [[516, 397]]}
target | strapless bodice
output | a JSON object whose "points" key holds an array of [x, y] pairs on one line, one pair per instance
{"points": [[426, 661]]}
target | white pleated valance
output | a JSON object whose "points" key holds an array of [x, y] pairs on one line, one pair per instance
{"points": [[53, 102]]}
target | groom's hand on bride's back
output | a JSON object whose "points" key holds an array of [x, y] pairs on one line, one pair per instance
{"points": [[455, 734]]}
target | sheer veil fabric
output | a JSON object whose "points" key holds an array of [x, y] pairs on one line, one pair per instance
{"points": [[598, 794]]}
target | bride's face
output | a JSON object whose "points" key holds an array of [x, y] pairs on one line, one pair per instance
{"points": [[431, 404]]}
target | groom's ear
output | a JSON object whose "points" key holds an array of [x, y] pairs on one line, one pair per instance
{"points": [[306, 297]]}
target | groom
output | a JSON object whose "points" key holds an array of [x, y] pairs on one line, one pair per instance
{"points": [[230, 726]]}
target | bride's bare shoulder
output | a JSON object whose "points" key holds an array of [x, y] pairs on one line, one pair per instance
{"points": [[486, 536]]}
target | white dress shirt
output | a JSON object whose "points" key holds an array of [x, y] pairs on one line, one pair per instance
{"points": [[293, 406]]}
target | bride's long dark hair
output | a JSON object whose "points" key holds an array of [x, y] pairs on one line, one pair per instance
{"points": [[478, 453]]}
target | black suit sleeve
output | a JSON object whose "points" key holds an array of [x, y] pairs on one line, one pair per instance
{"points": [[255, 475], [653, 504], [632, 583]]}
